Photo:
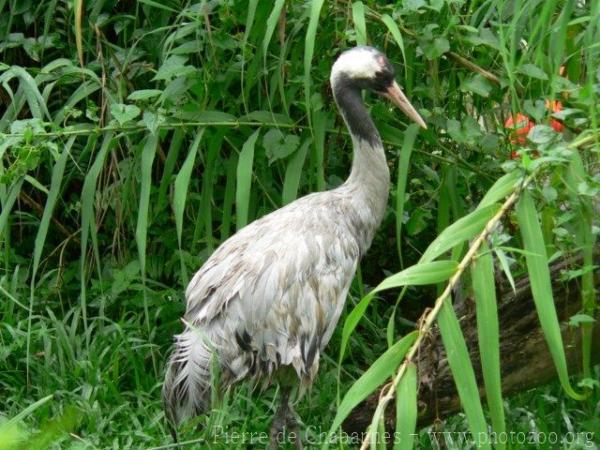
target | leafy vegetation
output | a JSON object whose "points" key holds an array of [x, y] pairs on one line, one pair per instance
{"points": [[137, 136]]}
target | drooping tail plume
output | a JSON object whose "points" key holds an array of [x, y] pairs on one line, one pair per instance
{"points": [[186, 391]]}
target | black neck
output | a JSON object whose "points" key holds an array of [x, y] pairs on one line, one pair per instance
{"points": [[348, 98]]}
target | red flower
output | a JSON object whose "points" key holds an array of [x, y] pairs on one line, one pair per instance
{"points": [[518, 127], [555, 106]]}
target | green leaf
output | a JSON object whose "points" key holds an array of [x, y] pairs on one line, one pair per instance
{"points": [[293, 173], [407, 147], [214, 117], [360, 25], [396, 34], [418, 221], [271, 23], [8, 202], [244, 180], [436, 5], [351, 322], [35, 100], [589, 383], [503, 186], [477, 84], [24, 413], [406, 409], [169, 167], [83, 91], [173, 67], [182, 182], [158, 5], [484, 290], [53, 195], [144, 94], [375, 375], [578, 319], [152, 121], [309, 48], [414, 5], [206, 117], [420, 274], [462, 372], [535, 109], [88, 197], [141, 229], [463, 229], [279, 145], [435, 48], [250, 14], [42, 231], [541, 287], [124, 113], [532, 71], [541, 134], [267, 117]]}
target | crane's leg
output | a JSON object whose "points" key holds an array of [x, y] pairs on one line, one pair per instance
{"points": [[285, 420], [293, 424]]}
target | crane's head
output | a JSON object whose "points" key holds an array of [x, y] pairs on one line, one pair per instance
{"points": [[367, 68]]}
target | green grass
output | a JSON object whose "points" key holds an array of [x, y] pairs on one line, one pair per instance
{"points": [[137, 136]]}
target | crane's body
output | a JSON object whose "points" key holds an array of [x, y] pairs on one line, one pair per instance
{"points": [[268, 299]]}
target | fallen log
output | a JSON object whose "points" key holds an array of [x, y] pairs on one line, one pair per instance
{"points": [[524, 356]]}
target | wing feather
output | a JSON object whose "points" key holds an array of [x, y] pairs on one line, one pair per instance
{"points": [[272, 294]]}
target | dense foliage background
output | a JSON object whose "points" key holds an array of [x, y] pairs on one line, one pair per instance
{"points": [[138, 135]]}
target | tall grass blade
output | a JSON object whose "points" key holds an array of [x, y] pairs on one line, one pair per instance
{"points": [[360, 25], [406, 409], [319, 126], [229, 197], [407, 147], [169, 168], [141, 229], [309, 48], [396, 34], [293, 173], [79, 30], [541, 287], [55, 184], [271, 24], [586, 241], [484, 290], [249, 22], [88, 197], [13, 192], [463, 373], [244, 180], [40, 238], [209, 175], [25, 412], [29, 87], [182, 181]]}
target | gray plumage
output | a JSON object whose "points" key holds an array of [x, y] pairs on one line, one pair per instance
{"points": [[271, 295]]}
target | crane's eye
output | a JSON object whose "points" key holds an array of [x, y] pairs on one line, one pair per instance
{"points": [[382, 81]]}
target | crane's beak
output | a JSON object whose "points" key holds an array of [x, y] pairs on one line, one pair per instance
{"points": [[397, 97]]}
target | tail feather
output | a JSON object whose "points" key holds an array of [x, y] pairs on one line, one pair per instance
{"points": [[187, 388]]}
